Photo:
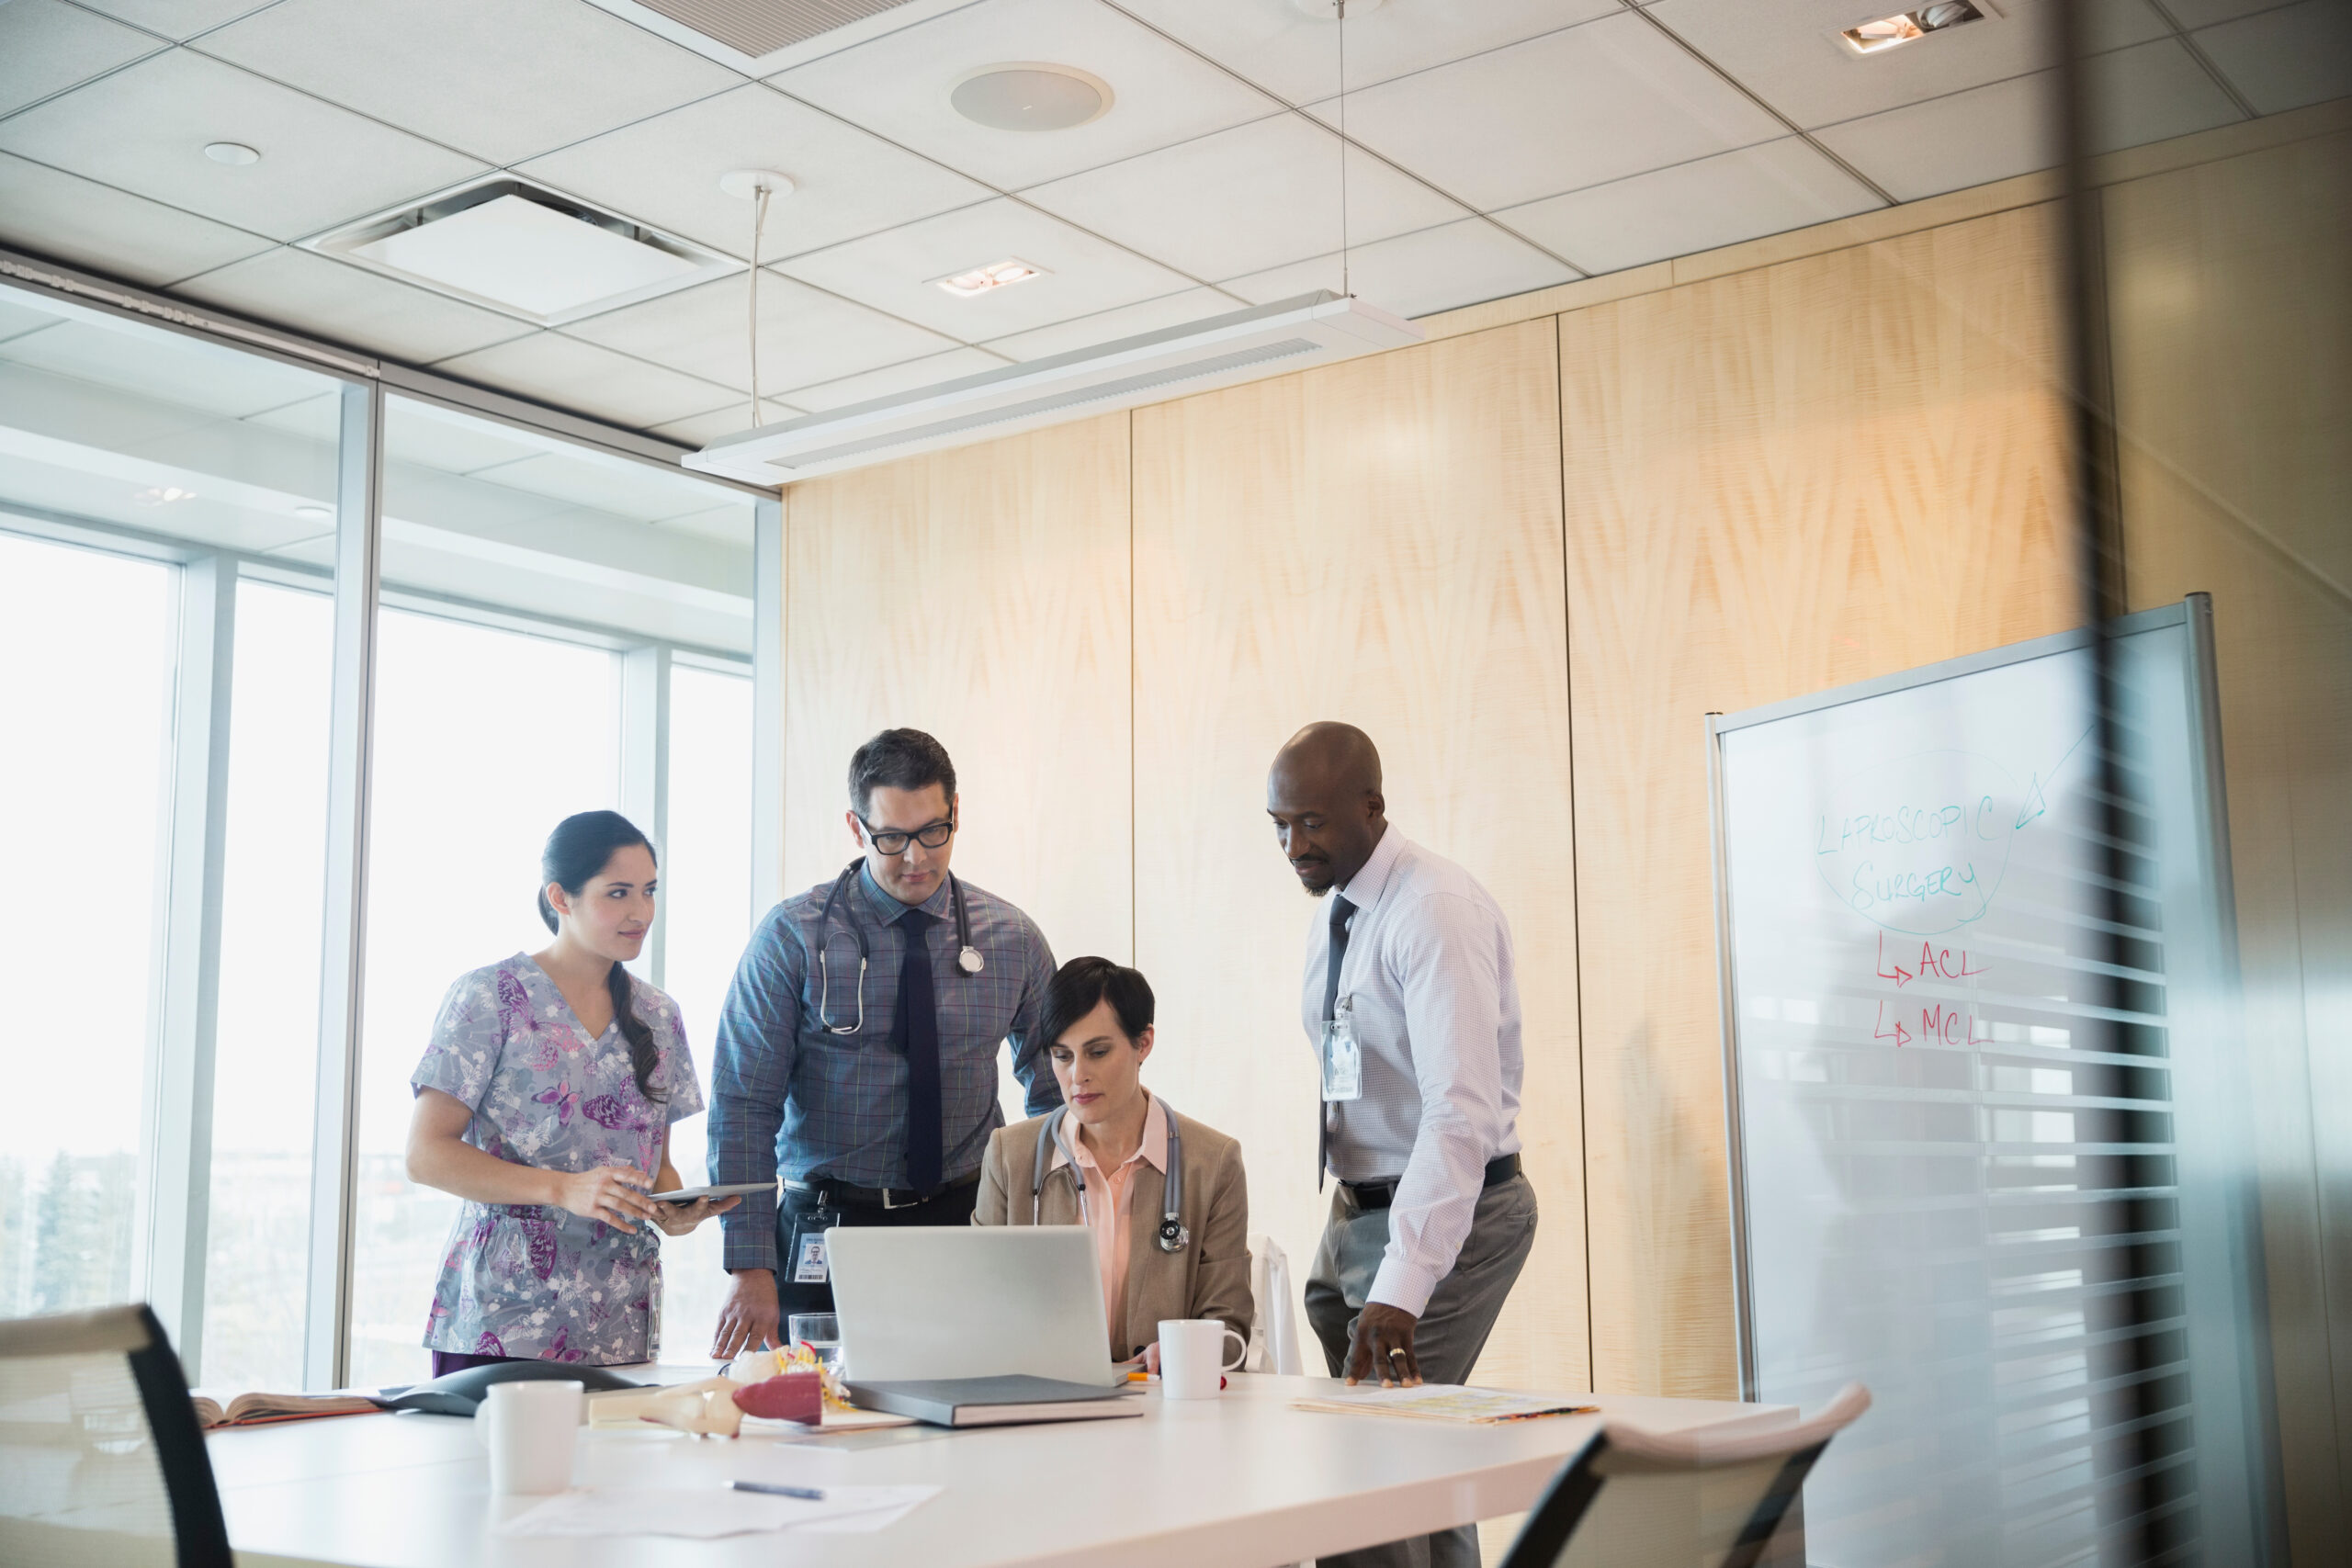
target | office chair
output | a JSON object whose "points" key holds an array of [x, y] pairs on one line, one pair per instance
{"points": [[1637, 1499], [101, 1461]]}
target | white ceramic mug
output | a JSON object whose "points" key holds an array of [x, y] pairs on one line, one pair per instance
{"points": [[1192, 1350], [530, 1429]]}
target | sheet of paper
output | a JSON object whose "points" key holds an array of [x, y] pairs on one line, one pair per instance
{"points": [[1443, 1401], [706, 1513]]}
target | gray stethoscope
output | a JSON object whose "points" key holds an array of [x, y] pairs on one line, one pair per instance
{"points": [[1172, 1236], [967, 957]]}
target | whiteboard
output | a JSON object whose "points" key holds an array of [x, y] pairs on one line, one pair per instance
{"points": [[2002, 1180]]}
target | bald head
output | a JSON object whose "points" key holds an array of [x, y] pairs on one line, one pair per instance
{"points": [[1323, 796]]}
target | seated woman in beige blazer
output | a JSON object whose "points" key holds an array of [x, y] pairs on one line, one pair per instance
{"points": [[1104, 1161]]}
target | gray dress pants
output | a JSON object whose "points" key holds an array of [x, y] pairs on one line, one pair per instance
{"points": [[1446, 1341]]}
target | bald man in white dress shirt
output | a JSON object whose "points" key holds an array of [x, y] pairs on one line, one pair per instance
{"points": [[1430, 1220]]}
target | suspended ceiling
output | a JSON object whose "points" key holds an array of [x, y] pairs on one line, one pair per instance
{"points": [[1493, 146]]}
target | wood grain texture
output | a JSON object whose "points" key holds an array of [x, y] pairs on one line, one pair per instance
{"points": [[981, 595], [1777, 482], [1378, 542], [2231, 328]]}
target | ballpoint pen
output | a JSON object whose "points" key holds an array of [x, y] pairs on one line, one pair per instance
{"points": [[809, 1493]]}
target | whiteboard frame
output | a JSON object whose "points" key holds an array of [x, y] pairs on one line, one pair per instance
{"points": [[2195, 613]]}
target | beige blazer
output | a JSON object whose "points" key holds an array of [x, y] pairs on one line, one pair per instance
{"points": [[1210, 1278]]}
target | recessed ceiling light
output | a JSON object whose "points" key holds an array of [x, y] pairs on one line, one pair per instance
{"points": [[1886, 32], [996, 275], [314, 514], [236, 153], [161, 495], [1031, 95]]}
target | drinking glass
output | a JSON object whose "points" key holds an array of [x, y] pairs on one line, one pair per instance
{"points": [[821, 1332]]}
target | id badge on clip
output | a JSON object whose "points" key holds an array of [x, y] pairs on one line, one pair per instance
{"points": [[808, 1258], [1343, 1058]]}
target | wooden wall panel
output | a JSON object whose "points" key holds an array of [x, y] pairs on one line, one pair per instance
{"points": [[1776, 482], [2231, 332], [981, 595], [1377, 542]]}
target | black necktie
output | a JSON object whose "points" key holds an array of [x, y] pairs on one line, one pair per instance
{"points": [[915, 1031], [1341, 913]]}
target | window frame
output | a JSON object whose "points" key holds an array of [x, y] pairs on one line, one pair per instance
{"points": [[172, 1219]]}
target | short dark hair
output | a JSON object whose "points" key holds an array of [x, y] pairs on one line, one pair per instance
{"points": [[1077, 986], [900, 758]]}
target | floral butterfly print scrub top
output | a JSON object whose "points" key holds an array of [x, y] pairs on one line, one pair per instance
{"points": [[532, 1280]]}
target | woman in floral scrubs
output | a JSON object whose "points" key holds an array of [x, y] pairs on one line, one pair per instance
{"points": [[545, 1101]]}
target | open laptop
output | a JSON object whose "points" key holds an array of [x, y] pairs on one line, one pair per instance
{"points": [[921, 1303]]}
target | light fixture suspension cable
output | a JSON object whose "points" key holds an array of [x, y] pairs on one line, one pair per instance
{"points": [[752, 293], [1345, 291]]}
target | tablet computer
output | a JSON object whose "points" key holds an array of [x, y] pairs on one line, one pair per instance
{"points": [[688, 1195]]}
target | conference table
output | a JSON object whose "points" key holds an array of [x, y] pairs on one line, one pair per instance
{"points": [[1240, 1479]]}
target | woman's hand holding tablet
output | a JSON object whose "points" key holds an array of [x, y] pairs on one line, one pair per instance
{"points": [[613, 1193]]}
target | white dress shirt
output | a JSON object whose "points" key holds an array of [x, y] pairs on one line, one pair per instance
{"points": [[1430, 975]]}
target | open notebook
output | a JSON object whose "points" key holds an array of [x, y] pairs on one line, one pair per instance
{"points": [[259, 1409]]}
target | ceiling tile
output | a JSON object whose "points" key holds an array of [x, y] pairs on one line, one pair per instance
{"points": [[806, 334], [87, 224], [1571, 109], [2144, 94], [570, 374], [1246, 199], [702, 429], [2205, 13], [893, 271], [1108, 326], [664, 171], [47, 46], [502, 82], [1692, 206], [1789, 53], [897, 86], [1418, 275], [176, 18], [892, 380], [144, 128], [2287, 58], [1286, 52], [348, 304]]}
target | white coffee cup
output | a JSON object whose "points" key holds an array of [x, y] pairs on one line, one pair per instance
{"points": [[1191, 1357], [530, 1429]]}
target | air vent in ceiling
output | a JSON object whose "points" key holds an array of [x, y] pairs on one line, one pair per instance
{"points": [[761, 27], [524, 250], [1266, 340]]}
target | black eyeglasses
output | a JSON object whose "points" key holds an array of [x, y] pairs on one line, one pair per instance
{"points": [[892, 842]]}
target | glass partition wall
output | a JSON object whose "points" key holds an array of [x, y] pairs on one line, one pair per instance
{"points": [[231, 577]]}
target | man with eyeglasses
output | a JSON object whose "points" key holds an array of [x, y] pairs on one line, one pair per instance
{"points": [[856, 1054]]}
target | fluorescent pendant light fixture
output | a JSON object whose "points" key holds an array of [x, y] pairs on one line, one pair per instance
{"points": [[1314, 329], [996, 275], [531, 252]]}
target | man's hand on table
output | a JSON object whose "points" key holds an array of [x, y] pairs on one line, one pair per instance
{"points": [[1382, 1347], [750, 1318]]}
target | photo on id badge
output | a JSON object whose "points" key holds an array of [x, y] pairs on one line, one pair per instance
{"points": [[1342, 1061]]}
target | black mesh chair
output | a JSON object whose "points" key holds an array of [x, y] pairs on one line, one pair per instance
{"points": [[1702, 1499], [101, 1461]]}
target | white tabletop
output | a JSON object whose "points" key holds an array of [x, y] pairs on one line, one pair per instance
{"points": [[1239, 1480]]}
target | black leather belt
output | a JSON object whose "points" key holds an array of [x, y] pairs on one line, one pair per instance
{"points": [[828, 1192], [1380, 1194]]}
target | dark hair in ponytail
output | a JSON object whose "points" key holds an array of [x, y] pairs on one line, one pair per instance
{"points": [[576, 852]]}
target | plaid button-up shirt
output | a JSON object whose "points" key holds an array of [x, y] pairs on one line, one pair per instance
{"points": [[790, 1098]]}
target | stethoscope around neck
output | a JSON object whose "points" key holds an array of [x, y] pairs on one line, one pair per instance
{"points": [[967, 957], [1172, 1236]]}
